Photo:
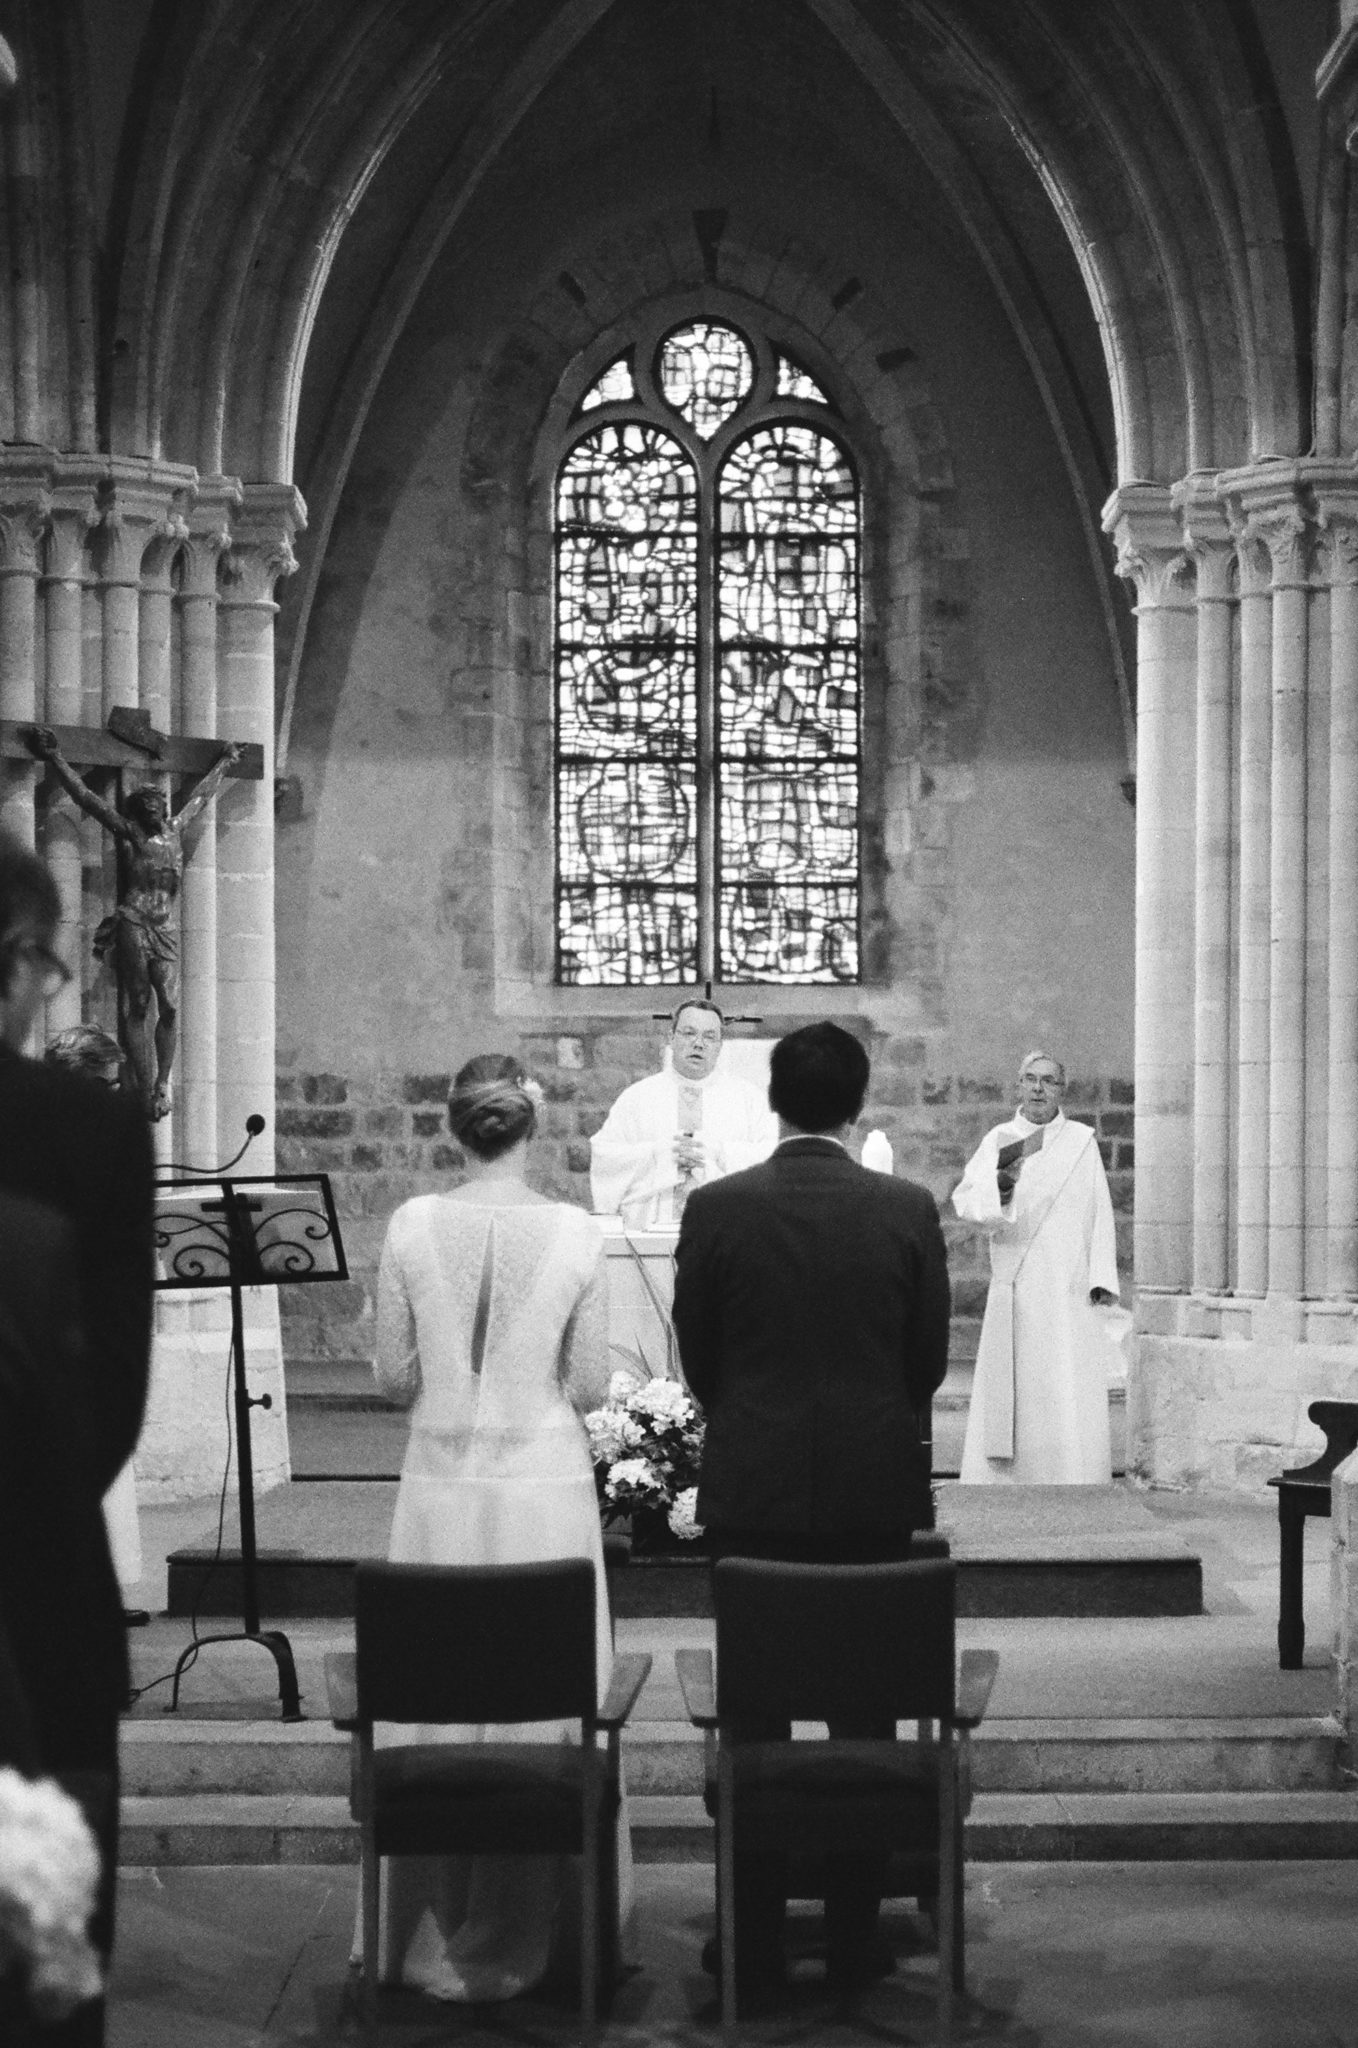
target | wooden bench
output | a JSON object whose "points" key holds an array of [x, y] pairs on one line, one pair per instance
{"points": [[1301, 1492]]}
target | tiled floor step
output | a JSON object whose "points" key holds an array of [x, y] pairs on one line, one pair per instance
{"points": [[181, 1759], [219, 1828]]}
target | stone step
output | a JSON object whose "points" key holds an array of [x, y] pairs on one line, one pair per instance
{"points": [[202, 1758], [220, 1828]]}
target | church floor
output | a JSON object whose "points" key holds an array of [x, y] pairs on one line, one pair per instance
{"points": [[1178, 1955]]}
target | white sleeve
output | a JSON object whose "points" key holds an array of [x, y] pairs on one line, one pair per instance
{"points": [[585, 1356], [976, 1198], [749, 1137], [1103, 1249], [628, 1161], [397, 1362]]}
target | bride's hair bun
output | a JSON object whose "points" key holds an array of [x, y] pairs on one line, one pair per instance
{"points": [[490, 1109]]}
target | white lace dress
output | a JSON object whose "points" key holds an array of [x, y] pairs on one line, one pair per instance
{"points": [[492, 1324]]}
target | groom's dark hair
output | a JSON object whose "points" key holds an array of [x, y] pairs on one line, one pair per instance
{"points": [[818, 1077]]}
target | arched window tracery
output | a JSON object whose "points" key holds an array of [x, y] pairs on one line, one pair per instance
{"points": [[708, 671]]}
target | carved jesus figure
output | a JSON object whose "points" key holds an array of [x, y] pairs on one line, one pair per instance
{"points": [[139, 936]]}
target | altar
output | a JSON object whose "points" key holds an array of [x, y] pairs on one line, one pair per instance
{"points": [[640, 1291]]}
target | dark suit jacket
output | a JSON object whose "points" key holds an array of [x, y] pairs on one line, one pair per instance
{"points": [[811, 1305], [60, 1608], [73, 1144]]}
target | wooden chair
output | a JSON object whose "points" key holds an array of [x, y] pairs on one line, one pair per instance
{"points": [[476, 1644], [1303, 1491], [840, 1642]]}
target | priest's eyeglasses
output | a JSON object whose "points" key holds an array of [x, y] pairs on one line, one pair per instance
{"points": [[53, 969], [692, 1037]]}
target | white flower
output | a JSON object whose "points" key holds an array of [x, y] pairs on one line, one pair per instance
{"points": [[49, 1871], [605, 1435], [683, 1515], [632, 1475], [532, 1089], [664, 1400], [623, 1385], [631, 1433]]}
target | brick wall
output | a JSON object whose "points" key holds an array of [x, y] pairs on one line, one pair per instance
{"points": [[383, 1137]]}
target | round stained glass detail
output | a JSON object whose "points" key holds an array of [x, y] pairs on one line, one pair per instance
{"points": [[706, 372]]}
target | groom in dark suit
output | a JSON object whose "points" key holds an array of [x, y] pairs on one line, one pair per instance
{"points": [[811, 1304]]}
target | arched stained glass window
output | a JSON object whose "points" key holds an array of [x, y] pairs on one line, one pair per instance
{"points": [[707, 673]]}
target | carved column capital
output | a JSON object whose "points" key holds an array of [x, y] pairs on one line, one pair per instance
{"points": [[1148, 536], [261, 543], [73, 518], [1286, 533], [1337, 524], [22, 526]]}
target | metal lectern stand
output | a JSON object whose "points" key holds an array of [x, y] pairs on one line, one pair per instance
{"points": [[266, 1230]]}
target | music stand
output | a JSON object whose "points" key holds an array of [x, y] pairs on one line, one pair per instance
{"points": [[257, 1230]]}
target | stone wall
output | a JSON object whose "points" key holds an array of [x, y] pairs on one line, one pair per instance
{"points": [[383, 1136]]}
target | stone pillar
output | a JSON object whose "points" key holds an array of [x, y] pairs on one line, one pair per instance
{"points": [[1253, 920], [1285, 534], [1210, 544], [209, 535], [73, 516], [1150, 550], [1342, 1152], [261, 552], [25, 501]]}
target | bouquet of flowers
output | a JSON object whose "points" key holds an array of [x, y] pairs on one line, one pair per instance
{"points": [[647, 1441], [49, 1869]]}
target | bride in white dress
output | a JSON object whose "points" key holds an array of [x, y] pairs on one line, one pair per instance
{"points": [[492, 1326]]}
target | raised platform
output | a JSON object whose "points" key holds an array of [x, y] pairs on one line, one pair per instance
{"points": [[1074, 1551]]}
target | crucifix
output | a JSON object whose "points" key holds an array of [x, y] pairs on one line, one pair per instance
{"points": [[139, 937]]}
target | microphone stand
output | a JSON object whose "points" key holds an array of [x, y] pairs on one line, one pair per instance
{"points": [[244, 1269]]}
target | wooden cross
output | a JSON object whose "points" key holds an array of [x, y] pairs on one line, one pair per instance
{"points": [[663, 1016], [130, 741]]}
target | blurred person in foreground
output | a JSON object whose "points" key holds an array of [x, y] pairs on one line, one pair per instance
{"points": [[85, 1049], [76, 1172], [492, 1328], [811, 1304]]}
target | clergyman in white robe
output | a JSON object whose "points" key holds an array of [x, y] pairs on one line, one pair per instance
{"points": [[633, 1171], [1039, 1404]]}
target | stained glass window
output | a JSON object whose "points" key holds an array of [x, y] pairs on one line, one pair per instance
{"points": [[613, 387], [795, 382], [705, 373], [707, 670]]}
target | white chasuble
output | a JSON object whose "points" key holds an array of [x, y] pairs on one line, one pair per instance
{"points": [[632, 1169], [1039, 1404]]}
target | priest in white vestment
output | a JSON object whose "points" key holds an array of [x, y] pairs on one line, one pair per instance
{"points": [[1036, 1185], [670, 1133]]}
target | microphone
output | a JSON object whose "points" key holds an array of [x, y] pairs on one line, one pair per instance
{"points": [[253, 1126]]}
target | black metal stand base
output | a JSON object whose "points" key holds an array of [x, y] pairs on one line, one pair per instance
{"points": [[271, 1639]]}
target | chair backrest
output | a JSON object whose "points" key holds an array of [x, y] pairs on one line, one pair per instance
{"points": [[814, 1642], [469, 1643]]}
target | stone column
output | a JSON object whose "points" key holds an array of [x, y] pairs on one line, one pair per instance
{"points": [[261, 552], [1342, 1151], [73, 516], [1212, 550], [1150, 550], [25, 502], [1285, 534], [209, 535], [1253, 920]]}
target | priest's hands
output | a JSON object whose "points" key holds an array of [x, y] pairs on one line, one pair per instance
{"points": [[689, 1155]]}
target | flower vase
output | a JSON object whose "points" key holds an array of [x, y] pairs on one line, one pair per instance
{"points": [[651, 1533]]}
